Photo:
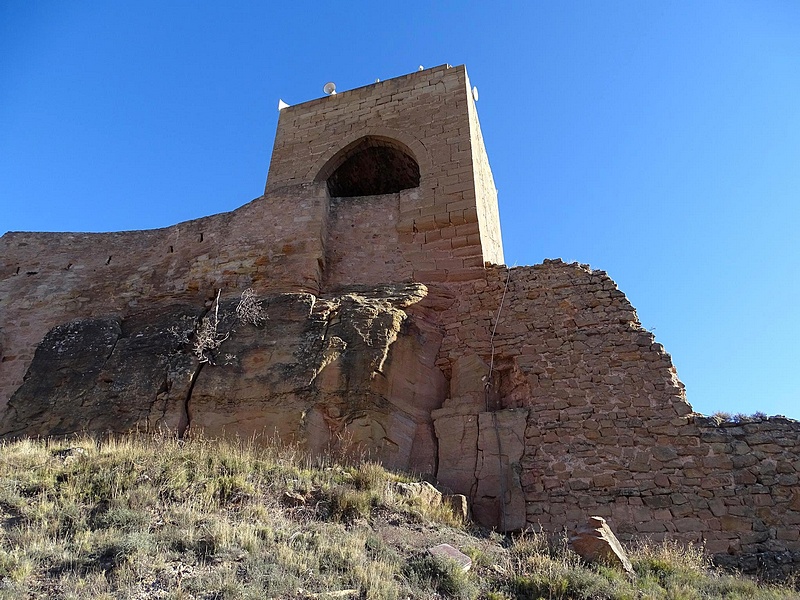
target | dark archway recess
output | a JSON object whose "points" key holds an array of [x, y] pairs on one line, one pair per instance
{"points": [[373, 167]]}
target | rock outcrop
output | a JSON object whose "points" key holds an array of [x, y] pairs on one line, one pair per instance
{"points": [[349, 369]]}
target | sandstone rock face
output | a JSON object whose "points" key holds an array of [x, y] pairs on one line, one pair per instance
{"points": [[346, 371], [106, 374], [479, 457], [594, 541]]}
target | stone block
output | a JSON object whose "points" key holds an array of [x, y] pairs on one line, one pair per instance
{"points": [[595, 542], [733, 523], [448, 552]]}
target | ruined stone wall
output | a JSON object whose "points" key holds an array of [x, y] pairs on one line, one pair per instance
{"points": [[591, 419]]}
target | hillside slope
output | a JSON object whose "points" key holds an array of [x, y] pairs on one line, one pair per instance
{"points": [[151, 517]]}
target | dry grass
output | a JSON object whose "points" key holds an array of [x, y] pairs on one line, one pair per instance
{"points": [[138, 517]]}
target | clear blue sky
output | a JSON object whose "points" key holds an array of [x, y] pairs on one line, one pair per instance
{"points": [[658, 141]]}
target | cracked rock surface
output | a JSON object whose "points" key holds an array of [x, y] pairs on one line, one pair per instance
{"points": [[104, 374], [351, 371]]}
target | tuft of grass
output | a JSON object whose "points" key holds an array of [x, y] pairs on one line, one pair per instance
{"points": [[535, 566], [370, 477], [441, 576], [739, 417]]}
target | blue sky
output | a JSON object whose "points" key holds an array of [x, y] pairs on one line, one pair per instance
{"points": [[657, 141]]}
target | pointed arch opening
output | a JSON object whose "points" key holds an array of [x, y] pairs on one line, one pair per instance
{"points": [[371, 166]]}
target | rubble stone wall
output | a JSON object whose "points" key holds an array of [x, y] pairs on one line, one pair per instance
{"points": [[607, 430]]}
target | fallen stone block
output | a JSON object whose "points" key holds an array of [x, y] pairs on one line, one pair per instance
{"points": [[427, 493], [448, 552], [595, 542]]}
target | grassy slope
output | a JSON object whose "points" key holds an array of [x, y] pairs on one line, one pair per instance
{"points": [[141, 517]]}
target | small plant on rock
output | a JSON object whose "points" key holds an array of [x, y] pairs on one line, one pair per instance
{"points": [[208, 337], [250, 310]]}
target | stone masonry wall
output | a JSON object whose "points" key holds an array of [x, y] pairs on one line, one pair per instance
{"points": [[428, 113], [606, 428], [363, 245], [486, 193]]}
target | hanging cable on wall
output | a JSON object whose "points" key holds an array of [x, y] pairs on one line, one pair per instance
{"points": [[489, 384]]}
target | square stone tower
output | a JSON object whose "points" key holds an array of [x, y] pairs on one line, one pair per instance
{"points": [[402, 178]]}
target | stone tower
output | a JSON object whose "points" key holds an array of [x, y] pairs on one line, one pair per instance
{"points": [[403, 174], [392, 325]]}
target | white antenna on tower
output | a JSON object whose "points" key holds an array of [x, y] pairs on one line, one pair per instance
{"points": [[329, 88]]}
